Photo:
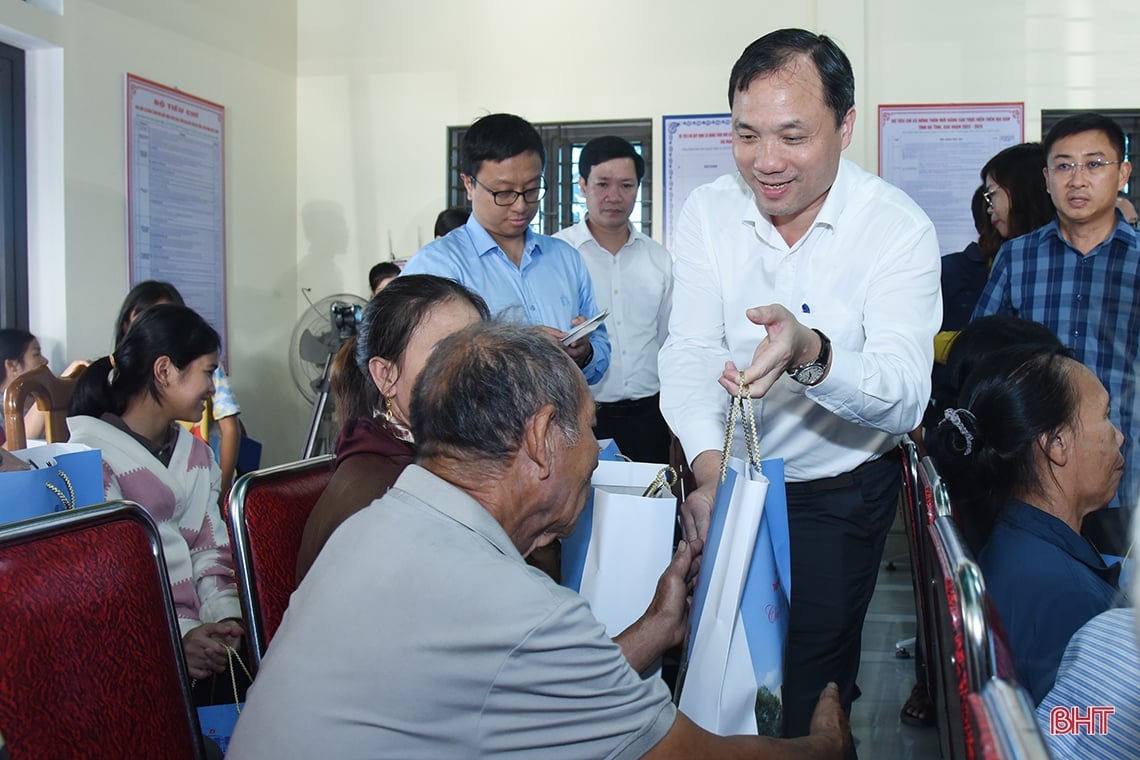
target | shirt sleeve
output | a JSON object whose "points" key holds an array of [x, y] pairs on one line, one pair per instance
{"points": [[211, 558], [224, 403], [886, 384], [995, 298], [566, 691], [693, 357], [595, 370], [666, 306]]}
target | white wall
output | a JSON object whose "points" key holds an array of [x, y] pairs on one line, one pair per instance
{"points": [[1078, 54], [379, 82], [242, 55]]}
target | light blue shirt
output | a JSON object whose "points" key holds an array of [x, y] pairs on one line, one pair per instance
{"points": [[551, 287], [1100, 668]]}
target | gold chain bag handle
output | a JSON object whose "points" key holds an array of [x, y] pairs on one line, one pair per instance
{"points": [[231, 655], [662, 485], [68, 499], [741, 409]]}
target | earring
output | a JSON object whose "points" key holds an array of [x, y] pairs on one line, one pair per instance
{"points": [[387, 409]]}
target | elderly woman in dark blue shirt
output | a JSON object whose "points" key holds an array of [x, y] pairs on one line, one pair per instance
{"points": [[1033, 446]]}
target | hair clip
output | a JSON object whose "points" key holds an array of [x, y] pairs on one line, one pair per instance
{"points": [[954, 417]]}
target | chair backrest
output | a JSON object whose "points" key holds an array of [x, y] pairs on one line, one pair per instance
{"points": [[950, 672], [91, 664], [1016, 731], [982, 732], [973, 604], [52, 395], [913, 499], [972, 648], [936, 499], [268, 510]]}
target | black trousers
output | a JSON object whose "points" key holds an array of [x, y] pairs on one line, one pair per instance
{"points": [[837, 527], [638, 428]]}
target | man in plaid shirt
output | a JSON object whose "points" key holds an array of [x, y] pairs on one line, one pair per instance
{"points": [[1079, 275]]}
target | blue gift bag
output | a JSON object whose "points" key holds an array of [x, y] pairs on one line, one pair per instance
{"points": [[64, 476], [218, 721], [739, 614]]}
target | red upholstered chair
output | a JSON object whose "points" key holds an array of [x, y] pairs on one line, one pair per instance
{"points": [[267, 514], [1016, 733], [981, 729], [913, 500], [971, 639], [91, 663]]}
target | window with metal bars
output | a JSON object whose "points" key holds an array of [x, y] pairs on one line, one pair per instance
{"points": [[13, 191], [564, 204]]}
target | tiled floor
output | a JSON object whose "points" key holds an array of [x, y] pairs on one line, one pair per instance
{"points": [[885, 680]]}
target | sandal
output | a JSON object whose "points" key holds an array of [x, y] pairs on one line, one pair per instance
{"points": [[919, 709]]}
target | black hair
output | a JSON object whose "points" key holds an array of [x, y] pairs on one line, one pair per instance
{"points": [[497, 137], [1086, 122], [989, 239], [353, 392], [380, 272], [1019, 171], [450, 219], [607, 148], [14, 343], [986, 336], [779, 51], [167, 329], [489, 379], [985, 448], [142, 296], [395, 312]]}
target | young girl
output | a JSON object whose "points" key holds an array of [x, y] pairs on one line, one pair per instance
{"points": [[126, 405], [219, 426]]}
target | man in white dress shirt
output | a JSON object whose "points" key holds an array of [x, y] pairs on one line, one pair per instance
{"points": [[633, 279], [821, 283]]}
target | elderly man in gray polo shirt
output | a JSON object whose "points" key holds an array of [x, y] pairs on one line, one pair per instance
{"points": [[420, 632]]}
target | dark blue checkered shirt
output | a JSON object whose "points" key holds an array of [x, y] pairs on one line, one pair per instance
{"points": [[1090, 302]]}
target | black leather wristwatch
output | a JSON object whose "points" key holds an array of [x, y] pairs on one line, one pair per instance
{"points": [[812, 372]]}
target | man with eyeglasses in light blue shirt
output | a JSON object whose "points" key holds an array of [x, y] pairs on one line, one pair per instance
{"points": [[523, 276], [1079, 275]]}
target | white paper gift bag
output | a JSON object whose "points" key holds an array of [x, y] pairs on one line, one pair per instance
{"points": [[734, 668], [622, 543]]}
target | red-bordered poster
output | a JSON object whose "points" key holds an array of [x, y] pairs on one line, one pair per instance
{"points": [[934, 152], [176, 196]]}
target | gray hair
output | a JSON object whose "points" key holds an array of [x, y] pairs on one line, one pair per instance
{"points": [[481, 386]]}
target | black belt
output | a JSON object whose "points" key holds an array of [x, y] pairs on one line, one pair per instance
{"points": [[633, 403]]}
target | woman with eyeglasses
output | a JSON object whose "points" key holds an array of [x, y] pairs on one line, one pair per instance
{"points": [[1011, 201], [1015, 192]]}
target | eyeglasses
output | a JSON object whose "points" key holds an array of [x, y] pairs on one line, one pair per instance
{"points": [[1067, 168], [988, 196], [508, 197]]}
